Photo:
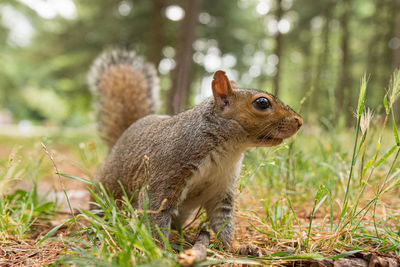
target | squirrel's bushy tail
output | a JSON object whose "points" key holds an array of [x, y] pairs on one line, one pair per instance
{"points": [[126, 88]]}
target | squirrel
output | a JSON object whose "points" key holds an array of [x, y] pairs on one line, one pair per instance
{"points": [[186, 160]]}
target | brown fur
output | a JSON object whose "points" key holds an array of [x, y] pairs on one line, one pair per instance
{"points": [[185, 151], [126, 89]]}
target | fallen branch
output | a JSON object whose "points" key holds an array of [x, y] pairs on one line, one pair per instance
{"points": [[198, 253]]}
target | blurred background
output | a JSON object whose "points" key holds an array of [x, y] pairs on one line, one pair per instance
{"points": [[310, 53]]}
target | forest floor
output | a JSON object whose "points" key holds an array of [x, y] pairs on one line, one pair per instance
{"points": [[288, 233]]}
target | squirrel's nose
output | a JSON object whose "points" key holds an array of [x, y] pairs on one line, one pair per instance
{"points": [[299, 122]]}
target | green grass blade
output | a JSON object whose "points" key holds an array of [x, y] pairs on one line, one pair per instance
{"points": [[44, 207], [390, 152], [385, 103], [282, 253], [293, 212], [165, 240], [313, 256], [395, 132], [75, 178], [369, 164], [51, 233], [344, 254]]}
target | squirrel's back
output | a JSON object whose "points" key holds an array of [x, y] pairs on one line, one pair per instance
{"points": [[127, 90]]}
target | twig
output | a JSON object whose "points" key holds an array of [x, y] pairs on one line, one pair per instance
{"points": [[161, 208], [198, 253]]}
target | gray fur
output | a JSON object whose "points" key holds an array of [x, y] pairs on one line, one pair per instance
{"points": [[193, 158]]}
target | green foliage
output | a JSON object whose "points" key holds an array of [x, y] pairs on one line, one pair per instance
{"points": [[116, 236], [45, 79], [20, 209], [356, 222]]}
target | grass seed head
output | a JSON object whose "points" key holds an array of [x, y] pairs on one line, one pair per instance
{"points": [[394, 87], [366, 119]]}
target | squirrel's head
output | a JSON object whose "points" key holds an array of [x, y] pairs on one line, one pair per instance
{"points": [[263, 116]]}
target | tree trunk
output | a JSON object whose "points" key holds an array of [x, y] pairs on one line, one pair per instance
{"points": [[373, 54], [307, 67], [181, 76], [322, 65], [278, 46], [396, 52], [380, 58], [158, 33], [343, 92]]}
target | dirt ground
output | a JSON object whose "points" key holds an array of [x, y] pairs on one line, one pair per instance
{"points": [[14, 252]]}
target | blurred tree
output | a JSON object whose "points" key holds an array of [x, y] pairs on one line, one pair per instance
{"points": [[324, 51], [158, 32], [379, 59], [344, 89], [322, 72], [394, 43], [181, 77], [278, 45]]}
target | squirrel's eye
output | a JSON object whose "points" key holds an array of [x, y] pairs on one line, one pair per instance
{"points": [[261, 103]]}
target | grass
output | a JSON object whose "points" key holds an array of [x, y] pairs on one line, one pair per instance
{"points": [[114, 237], [20, 209], [355, 212], [327, 193]]}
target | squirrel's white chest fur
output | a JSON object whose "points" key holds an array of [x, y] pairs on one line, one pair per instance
{"points": [[215, 175]]}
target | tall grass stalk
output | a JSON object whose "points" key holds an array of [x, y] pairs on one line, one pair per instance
{"points": [[61, 182], [353, 216], [318, 200], [360, 108]]}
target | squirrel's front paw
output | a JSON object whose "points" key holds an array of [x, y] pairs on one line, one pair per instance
{"points": [[249, 250]]}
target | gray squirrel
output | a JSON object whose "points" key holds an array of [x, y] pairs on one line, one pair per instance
{"points": [[187, 160]]}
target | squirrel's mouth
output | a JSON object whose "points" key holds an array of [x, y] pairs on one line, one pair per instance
{"points": [[279, 136], [269, 140]]}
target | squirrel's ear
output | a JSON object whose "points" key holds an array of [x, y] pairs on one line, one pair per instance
{"points": [[221, 85]]}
